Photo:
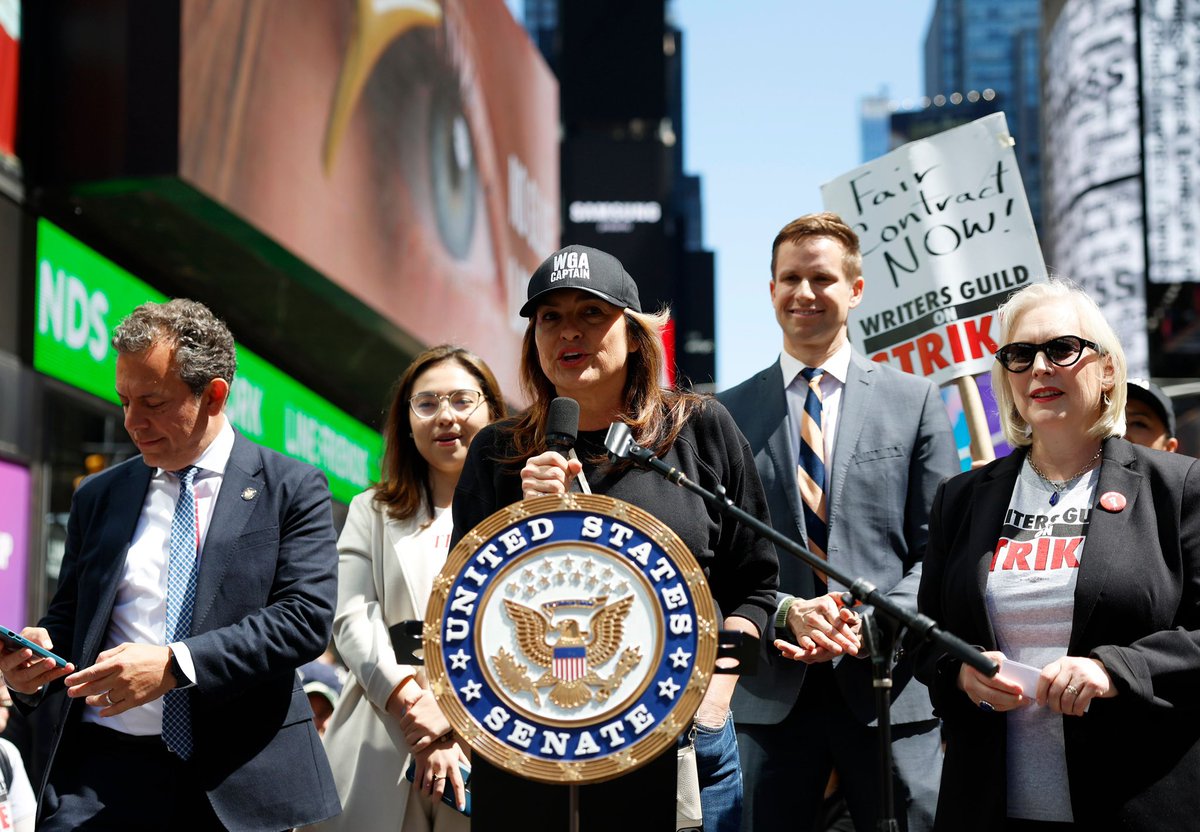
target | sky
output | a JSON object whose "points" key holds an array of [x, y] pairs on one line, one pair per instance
{"points": [[771, 101]]}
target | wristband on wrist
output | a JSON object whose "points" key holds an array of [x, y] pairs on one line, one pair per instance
{"points": [[782, 612]]}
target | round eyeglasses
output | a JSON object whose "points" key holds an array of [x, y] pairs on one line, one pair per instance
{"points": [[1062, 351], [462, 403]]}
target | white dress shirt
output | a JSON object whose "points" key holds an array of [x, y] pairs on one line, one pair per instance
{"points": [[832, 383], [139, 614]]}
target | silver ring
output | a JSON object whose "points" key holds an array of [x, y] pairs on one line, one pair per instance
{"points": [[108, 698], [986, 706], [1071, 689]]}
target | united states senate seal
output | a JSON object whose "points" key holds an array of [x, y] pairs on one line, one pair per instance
{"points": [[570, 638]]}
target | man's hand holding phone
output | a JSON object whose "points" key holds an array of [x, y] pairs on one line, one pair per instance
{"points": [[27, 661]]}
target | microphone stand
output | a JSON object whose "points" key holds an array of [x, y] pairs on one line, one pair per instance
{"points": [[879, 648], [620, 445]]}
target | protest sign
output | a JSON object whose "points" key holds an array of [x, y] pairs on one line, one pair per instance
{"points": [[946, 236]]}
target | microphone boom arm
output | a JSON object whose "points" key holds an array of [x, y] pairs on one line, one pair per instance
{"points": [[620, 445]]}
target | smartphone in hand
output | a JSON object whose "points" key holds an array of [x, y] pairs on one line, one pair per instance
{"points": [[448, 794], [15, 641]]}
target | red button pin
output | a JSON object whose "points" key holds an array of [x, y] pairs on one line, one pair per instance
{"points": [[1113, 501]]}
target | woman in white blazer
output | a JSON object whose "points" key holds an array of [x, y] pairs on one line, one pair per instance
{"points": [[395, 541]]}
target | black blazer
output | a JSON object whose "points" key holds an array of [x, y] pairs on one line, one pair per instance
{"points": [[264, 605], [1133, 762]]}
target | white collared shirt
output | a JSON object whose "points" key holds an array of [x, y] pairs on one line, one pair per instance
{"points": [[832, 383], [139, 614]]}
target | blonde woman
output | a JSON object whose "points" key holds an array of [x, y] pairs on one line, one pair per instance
{"points": [[1075, 563]]}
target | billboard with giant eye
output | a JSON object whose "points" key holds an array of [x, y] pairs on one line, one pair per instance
{"points": [[407, 150]]}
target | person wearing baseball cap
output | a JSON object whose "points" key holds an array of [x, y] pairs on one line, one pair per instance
{"points": [[588, 339], [1149, 416], [323, 687], [588, 269]]}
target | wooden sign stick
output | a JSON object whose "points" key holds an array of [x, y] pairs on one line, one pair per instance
{"points": [[982, 449]]}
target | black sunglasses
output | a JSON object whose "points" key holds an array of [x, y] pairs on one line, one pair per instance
{"points": [[1062, 351]]}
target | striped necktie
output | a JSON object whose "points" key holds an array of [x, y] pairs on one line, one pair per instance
{"points": [[810, 473], [181, 596]]}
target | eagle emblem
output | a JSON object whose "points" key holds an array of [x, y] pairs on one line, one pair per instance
{"points": [[568, 654]]}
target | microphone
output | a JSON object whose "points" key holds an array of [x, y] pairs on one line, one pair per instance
{"points": [[618, 441], [562, 425], [620, 445]]}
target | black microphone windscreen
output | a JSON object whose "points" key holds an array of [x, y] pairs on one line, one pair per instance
{"points": [[562, 423]]}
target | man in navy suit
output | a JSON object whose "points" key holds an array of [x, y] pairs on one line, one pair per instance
{"points": [[885, 444], [197, 578]]}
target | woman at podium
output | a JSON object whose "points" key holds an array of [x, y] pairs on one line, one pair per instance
{"points": [[589, 340]]}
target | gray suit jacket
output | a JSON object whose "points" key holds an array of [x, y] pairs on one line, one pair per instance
{"points": [[894, 445]]}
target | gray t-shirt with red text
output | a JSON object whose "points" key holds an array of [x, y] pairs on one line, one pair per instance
{"points": [[1031, 600]]}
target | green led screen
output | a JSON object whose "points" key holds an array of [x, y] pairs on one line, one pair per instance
{"points": [[80, 298]]}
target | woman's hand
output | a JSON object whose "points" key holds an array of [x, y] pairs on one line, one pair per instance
{"points": [[714, 708], [423, 722], [822, 629], [994, 693], [548, 473], [438, 765], [1069, 684], [404, 695]]}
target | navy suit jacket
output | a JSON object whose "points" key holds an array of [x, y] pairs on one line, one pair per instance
{"points": [[264, 605], [893, 446], [1133, 761]]}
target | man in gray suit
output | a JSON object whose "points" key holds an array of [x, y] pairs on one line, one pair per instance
{"points": [[850, 453]]}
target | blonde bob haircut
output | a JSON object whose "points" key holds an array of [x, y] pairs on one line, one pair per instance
{"points": [[1110, 410]]}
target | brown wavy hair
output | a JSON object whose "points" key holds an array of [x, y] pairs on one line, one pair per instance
{"points": [[403, 487], [655, 414], [824, 224]]}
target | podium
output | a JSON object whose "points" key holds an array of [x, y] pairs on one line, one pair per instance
{"points": [[641, 801], [569, 640], [561, 619]]}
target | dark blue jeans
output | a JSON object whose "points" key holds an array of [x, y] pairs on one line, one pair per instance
{"points": [[720, 774]]}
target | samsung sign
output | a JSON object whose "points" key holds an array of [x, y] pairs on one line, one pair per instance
{"points": [[614, 217]]}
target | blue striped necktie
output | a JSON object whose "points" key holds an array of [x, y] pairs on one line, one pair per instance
{"points": [[810, 473], [182, 569]]}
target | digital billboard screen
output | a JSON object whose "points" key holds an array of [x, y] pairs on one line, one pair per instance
{"points": [[1170, 53], [409, 152], [15, 483], [1092, 187], [81, 297], [10, 49]]}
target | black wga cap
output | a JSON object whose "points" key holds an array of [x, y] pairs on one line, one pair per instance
{"points": [[585, 268], [1145, 390]]}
